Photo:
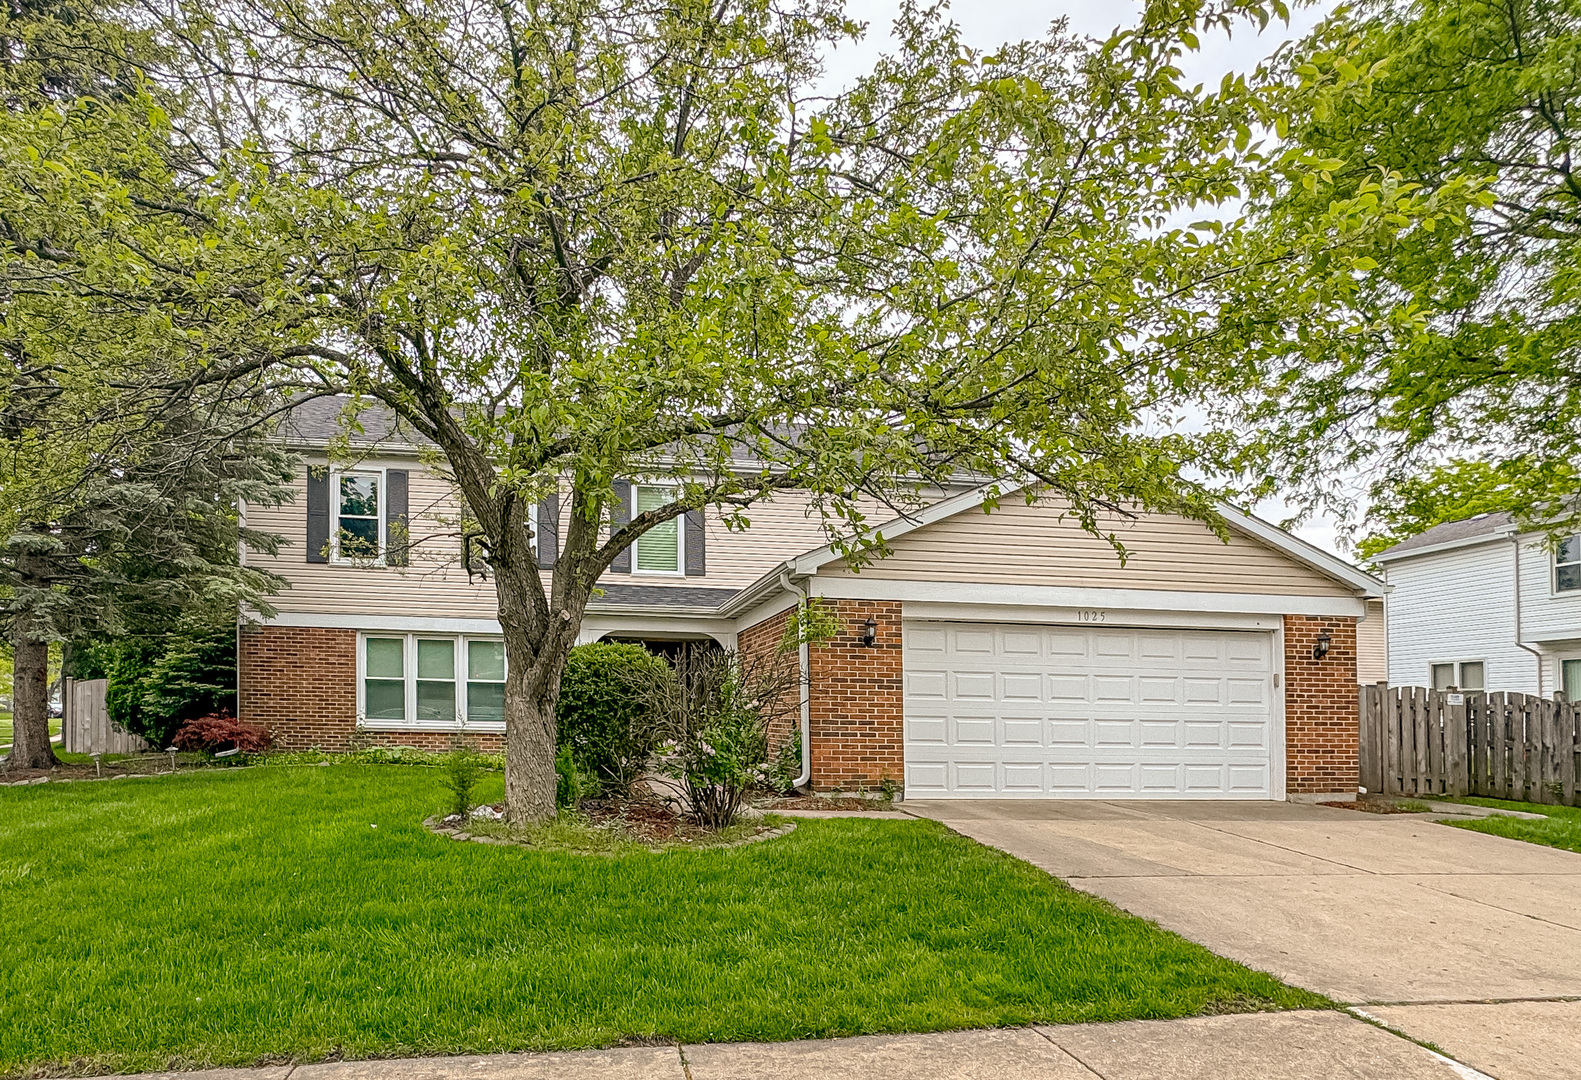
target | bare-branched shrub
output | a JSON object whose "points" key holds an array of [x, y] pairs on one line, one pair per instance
{"points": [[716, 709]]}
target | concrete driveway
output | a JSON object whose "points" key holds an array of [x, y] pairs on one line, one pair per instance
{"points": [[1420, 924]]}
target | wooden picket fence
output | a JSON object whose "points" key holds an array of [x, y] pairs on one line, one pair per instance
{"points": [[1426, 743]]}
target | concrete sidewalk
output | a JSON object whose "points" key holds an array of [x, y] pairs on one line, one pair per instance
{"points": [[1254, 1046]]}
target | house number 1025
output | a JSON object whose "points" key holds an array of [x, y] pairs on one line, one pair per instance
{"points": [[1090, 616]]}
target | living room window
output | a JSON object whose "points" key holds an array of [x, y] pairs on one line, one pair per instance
{"points": [[358, 521], [658, 549], [1567, 565], [485, 680], [417, 680], [1461, 675]]}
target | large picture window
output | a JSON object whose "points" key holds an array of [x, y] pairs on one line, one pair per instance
{"points": [[658, 549], [357, 518], [432, 681], [1567, 565]]}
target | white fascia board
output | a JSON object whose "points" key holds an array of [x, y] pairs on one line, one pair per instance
{"points": [[776, 603], [1045, 596], [1503, 533], [595, 626], [1300, 550]]}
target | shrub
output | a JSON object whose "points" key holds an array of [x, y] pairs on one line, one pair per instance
{"points": [[786, 766], [604, 719], [462, 770], [571, 783], [222, 732], [716, 708]]}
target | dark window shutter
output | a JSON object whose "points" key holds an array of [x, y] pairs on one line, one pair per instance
{"points": [[620, 515], [548, 531], [317, 514], [696, 544], [397, 532]]}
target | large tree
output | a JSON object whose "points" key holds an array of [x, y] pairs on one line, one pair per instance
{"points": [[1457, 336], [132, 411], [579, 241]]}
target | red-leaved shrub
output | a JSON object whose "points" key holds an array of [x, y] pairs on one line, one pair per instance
{"points": [[221, 732]]}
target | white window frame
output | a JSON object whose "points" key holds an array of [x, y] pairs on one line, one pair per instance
{"points": [[1555, 564], [1459, 667], [1561, 661], [680, 535], [334, 516], [409, 673]]}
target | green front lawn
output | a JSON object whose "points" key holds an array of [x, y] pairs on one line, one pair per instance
{"points": [[213, 918], [5, 727], [1560, 828]]}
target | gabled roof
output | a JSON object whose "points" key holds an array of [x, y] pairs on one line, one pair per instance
{"points": [[1463, 533], [810, 563], [315, 422]]}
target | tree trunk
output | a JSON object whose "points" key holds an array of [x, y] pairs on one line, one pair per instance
{"points": [[30, 746], [529, 749]]}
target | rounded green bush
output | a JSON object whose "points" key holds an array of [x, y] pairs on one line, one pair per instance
{"points": [[601, 714]]}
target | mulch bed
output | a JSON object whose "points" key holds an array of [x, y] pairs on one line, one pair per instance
{"points": [[140, 765], [824, 802], [649, 820]]}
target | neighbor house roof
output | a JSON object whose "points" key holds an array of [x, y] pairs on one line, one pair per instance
{"points": [[1467, 531]]}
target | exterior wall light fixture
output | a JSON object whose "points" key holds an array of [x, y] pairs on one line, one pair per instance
{"points": [[1320, 650], [869, 631]]}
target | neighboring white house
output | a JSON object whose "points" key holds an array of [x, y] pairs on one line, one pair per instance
{"points": [[1480, 605]]}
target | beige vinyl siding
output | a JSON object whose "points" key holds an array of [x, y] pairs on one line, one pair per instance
{"points": [[1372, 656], [1035, 545], [780, 529], [434, 585]]}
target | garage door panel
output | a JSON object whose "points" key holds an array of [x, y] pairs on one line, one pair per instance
{"points": [[1077, 711]]}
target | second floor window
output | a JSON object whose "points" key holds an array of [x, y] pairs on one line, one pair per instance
{"points": [[1567, 564], [658, 549], [357, 516]]}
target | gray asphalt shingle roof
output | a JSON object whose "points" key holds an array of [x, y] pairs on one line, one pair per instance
{"points": [[1466, 529]]}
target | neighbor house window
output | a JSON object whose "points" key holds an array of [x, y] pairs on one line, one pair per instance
{"points": [[658, 549], [1567, 564], [357, 517], [485, 680], [384, 682], [1466, 675], [428, 680]]}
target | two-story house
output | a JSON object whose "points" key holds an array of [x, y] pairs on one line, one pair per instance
{"points": [[1481, 604], [1003, 654]]}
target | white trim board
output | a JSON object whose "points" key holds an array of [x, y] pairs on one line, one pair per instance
{"points": [[1129, 618]]}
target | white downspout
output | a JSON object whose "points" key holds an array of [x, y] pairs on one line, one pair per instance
{"points": [[803, 663], [1519, 644]]}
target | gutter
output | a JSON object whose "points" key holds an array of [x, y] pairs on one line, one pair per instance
{"points": [[1519, 644], [803, 682]]}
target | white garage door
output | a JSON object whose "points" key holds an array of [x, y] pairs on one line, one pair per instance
{"points": [[1069, 711]]}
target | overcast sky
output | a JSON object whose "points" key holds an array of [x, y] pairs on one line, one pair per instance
{"points": [[987, 23]]}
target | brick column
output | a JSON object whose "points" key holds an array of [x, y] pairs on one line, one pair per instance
{"points": [[857, 700], [1322, 722], [759, 645]]}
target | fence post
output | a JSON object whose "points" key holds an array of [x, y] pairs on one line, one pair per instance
{"points": [[1457, 776], [1391, 734]]}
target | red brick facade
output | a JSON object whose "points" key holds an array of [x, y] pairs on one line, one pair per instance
{"points": [[857, 703], [761, 644], [1322, 727], [301, 682]]}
